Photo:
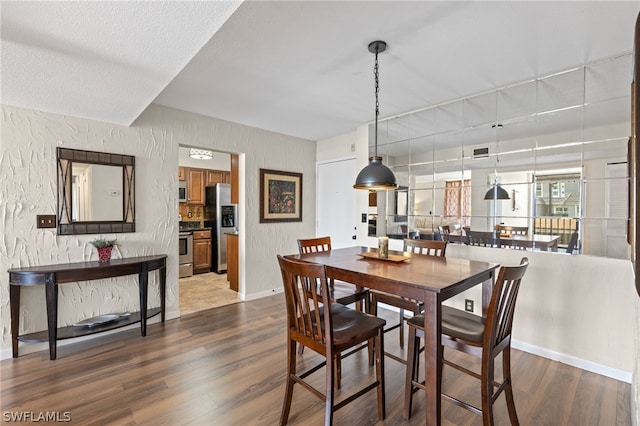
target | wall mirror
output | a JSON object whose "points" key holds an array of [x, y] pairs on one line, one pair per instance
{"points": [[557, 144], [96, 192]]}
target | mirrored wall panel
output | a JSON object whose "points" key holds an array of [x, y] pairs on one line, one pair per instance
{"points": [[539, 165]]}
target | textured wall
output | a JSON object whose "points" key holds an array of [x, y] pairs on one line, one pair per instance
{"points": [[28, 187]]}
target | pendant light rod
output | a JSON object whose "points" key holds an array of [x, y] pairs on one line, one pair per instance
{"points": [[377, 47]]}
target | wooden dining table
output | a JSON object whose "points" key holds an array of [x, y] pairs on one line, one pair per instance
{"points": [[425, 278]]}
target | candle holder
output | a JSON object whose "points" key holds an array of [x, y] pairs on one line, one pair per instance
{"points": [[383, 247]]}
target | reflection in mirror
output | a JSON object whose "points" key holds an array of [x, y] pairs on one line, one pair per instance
{"points": [[95, 192], [560, 154]]}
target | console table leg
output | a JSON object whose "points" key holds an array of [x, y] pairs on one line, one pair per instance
{"points": [[14, 302], [163, 291], [51, 292], [143, 280]]}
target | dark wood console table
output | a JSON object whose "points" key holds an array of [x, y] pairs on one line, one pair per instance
{"points": [[52, 275]]}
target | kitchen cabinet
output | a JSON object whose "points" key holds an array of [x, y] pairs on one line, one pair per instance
{"points": [[197, 179], [201, 251], [217, 176], [195, 186]]}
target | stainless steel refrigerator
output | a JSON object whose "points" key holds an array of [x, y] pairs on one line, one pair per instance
{"points": [[221, 216]]}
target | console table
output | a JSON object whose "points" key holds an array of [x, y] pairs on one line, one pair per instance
{"points": [[52, 275]]}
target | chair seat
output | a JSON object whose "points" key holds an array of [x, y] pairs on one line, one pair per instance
{"points": [[351, 326], [457, 324]]}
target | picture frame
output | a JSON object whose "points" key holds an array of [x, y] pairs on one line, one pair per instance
{"points": [[280, 196]]}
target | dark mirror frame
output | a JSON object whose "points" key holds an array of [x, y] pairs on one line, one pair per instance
{"points": [[65, 159]]}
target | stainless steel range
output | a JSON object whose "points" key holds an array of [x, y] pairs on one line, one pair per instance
{"points": [[185, 254]]}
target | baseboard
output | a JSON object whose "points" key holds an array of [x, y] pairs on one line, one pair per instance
{"points": [[260, 295], [583, 364]]}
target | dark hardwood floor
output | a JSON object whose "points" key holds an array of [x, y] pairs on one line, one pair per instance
{"points": [[226, 366]]}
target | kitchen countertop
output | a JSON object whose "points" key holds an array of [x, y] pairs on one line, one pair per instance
{"points": [[193, 226]]}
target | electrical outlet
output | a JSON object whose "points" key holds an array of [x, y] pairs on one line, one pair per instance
{"points": [[468, 305]]}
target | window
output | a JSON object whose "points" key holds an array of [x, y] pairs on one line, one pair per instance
{"points": [[557, 189], [561, 211]]}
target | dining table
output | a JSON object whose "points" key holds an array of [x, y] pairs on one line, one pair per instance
{"points": [[428, 279]]}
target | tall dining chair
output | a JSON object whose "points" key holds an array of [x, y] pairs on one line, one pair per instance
{"points": [[327, 328], [339, 292], [477, 336], [444, 231], [424, 247], [513, 230], [482, 238], [573, 243]]}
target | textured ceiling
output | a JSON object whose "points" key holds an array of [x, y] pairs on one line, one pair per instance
{"points": [[101, 60], [296, 67]]}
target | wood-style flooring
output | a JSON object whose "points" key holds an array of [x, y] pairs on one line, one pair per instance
{"points": [[226, 366]]}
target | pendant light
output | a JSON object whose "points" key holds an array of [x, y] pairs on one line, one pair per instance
{"points": [[376, 176], [496, 192]]}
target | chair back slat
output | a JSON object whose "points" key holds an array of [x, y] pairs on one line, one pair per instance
{"points": [[503, 302], [426, 247], [314, 245], [308, 306]]}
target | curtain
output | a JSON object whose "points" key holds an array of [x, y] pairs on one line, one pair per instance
{"points": [[457, 200]]}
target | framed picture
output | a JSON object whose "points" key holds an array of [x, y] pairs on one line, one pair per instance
{"points": [[280, 196]]}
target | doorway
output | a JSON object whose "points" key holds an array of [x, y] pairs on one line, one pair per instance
{"points": [[207, 286]]}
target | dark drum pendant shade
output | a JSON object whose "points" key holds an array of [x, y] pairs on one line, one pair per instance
{"points": [[502, 194], [376, 177]]}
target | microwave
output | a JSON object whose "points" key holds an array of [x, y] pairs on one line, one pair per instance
{"points": [[182, 191]]}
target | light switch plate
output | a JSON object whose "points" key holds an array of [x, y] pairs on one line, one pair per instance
{"points": [[46, 221]]}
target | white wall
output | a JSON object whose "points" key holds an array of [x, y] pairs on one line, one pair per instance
{"points": [[28, 187]]}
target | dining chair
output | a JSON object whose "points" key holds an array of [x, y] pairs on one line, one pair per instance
{"points": [[339, 292], [513, 230], [329, 329], [423, 247], [573, 243], [444, 231], [484, 338], [482, 238]]}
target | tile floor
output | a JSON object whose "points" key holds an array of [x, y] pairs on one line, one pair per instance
{"points": [[205, 291]]}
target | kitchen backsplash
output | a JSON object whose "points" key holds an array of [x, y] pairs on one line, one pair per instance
{"points": [[191, 213]]}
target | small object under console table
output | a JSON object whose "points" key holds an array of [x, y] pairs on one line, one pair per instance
{"points": [[52, 275]]}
